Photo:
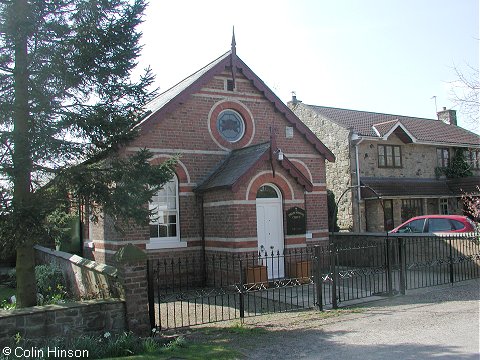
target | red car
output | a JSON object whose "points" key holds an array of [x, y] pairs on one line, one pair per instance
{"points": [[436, 223]]}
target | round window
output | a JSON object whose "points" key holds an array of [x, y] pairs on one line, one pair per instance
{"points": [[230, 125]]}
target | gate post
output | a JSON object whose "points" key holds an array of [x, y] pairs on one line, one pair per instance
{"points": [[151, 295], [401, 259], [451, 260], [389, 266], [317, 277], [132, 273], [333, 270], [242, 300]]}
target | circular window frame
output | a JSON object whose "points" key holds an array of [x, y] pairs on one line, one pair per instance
{"points": [[239, 117], [246, 115]]}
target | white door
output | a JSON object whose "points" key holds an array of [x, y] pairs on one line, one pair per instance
{"points": [[270, 231]]}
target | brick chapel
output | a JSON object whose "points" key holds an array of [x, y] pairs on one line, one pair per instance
{"points": [[250, 176]]}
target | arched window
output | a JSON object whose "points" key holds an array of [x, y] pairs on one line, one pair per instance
{"points": [[266, 191], [164, 224]]}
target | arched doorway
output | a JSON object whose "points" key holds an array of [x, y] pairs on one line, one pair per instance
{"points": [[270, 227]]}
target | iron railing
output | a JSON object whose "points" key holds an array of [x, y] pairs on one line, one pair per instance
{"points": [[191, 290]]}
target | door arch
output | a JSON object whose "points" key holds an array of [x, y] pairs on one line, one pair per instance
{"points": [[270, 228]]}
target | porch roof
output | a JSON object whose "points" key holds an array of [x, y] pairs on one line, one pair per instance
{"points": [[240, 165], [470, 184], [235, 166], [390, 187]]}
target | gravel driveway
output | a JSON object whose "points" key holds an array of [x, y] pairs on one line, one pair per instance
{"points": [[434, 323]]}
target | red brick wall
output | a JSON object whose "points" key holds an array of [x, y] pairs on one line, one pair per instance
{"points": [[190, 131]]}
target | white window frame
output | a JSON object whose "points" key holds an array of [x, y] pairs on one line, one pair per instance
{"points": [[173, 241], [443, 202]]}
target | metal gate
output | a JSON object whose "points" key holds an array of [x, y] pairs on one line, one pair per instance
{"points": [[193, 289]]}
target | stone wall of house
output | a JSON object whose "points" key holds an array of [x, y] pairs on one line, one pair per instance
{"points": [[418, 161], [340, 174], [66, 320]]}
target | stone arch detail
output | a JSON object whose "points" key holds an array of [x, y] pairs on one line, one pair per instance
{"points": [[180, 170], [266, 177]]}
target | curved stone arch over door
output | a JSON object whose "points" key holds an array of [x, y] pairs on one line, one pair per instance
{"points": [[270, 228]]}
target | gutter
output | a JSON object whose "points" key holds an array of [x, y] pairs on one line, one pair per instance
{"points": [[358, 140]]}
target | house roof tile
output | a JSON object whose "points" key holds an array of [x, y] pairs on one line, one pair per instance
{"points": [[424, 130]]}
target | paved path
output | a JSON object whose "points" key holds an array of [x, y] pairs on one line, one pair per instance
{"points": [[434, 323]]}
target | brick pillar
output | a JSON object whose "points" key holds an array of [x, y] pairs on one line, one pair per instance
{"points": [[132, 272]]}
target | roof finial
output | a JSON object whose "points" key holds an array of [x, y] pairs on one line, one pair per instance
{"points": [[233, 58], [234, 44]]}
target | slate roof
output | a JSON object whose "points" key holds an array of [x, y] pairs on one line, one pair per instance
{"points": [[175, 96], [241, 163], [468, 184], [423, 130], [387, 187], [164, 98], [236, 165]]}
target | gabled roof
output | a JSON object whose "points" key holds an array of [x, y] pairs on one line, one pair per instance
{"points": [[241, 163], [160, 101], [173, 97], [421, 130], [235, 166]]}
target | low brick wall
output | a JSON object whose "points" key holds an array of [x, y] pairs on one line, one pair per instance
{"points": [[65, 320], [85, 279]]}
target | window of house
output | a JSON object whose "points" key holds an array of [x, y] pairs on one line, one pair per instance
{"points": [[230, 85], [164, 218], [443, 206], [472, 157], [230, 125], [411, 208], [443, 157], [266, 191], [389, 156]]}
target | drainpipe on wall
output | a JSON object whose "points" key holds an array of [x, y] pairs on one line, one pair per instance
{"points": [[202, 226], [358, 140]]}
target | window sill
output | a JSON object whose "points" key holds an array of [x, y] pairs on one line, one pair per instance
{"points": [[165, 244]]}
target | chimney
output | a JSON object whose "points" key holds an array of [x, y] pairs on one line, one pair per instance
{"points": [[448, 116], [294, 98]]}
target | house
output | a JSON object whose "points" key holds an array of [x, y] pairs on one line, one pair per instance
{"points": [[397, 160], [250, 177]]}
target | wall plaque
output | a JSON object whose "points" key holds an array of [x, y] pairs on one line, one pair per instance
{"points": [[296, 223]]}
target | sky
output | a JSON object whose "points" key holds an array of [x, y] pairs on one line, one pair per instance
{"points": [[387, 56]]}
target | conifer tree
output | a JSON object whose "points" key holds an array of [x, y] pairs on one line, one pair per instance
{"points": [[68, 103]]}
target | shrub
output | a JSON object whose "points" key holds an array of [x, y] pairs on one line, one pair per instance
{"points": [[50, 284], [332, 211]]}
